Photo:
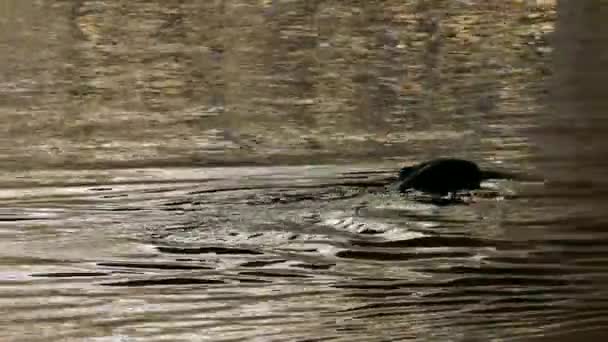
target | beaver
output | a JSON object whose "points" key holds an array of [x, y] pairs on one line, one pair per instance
{"points": [[443, 176]]}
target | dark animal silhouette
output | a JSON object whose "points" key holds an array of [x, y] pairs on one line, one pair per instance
{"points": [[443, 176]]}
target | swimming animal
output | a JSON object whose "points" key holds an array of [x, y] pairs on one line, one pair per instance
{"points": [[443, 176]]}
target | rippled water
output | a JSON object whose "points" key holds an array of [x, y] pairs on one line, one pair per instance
{"points": [[184, 171], [272, 253]]}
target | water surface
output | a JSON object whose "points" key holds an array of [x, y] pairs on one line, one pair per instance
{"points": [[214, 171]]}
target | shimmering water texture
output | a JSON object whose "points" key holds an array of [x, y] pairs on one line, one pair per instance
{"points": [[285, 253]]}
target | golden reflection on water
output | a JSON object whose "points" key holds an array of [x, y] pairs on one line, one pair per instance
{"points": [[94, 83]]}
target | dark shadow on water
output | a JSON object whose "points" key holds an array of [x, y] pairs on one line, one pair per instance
{"points": [[391, 256], [205, 250], [165, 282], [158, 266]]}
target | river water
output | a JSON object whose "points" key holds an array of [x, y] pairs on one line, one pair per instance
{"points": [[214, 171]]}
